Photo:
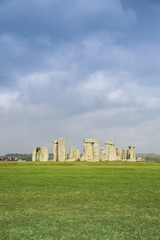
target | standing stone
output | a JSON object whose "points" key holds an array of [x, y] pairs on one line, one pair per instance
{"points": [[90, 150], [124, 155], [95, 149], [78, 155], [44, 154], [106, 152], [119, 153], [131, 153], [110, 151], [40, 154], [61, 150], [34, 154], [74, 154], [55, 150]]}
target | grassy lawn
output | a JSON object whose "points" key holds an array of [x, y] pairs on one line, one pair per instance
{"points": [[106, 200]]}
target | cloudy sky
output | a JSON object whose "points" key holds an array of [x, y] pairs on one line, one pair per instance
{"points": [[79, 68]]}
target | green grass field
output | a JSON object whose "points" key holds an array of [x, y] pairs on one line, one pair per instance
{"points": [[106, 200]]}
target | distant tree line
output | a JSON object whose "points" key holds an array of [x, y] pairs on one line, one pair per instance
{"points": [[150, 158]]}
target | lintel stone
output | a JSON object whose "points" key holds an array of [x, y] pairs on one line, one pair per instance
{"points": [[109, 143], [90, 140]]}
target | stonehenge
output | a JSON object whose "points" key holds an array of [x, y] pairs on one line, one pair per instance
{"points": [[92, 152], [40, 154]]}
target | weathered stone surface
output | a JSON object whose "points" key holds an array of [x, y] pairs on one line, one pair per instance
{"points": [[40, 154], [90, 150], [101, 154], [112, 153], [34, 154], [61, 150], [118, 153], [109, 143], [74, 153], [95, 150], [109, 151], [44, 154], [78, 155], [90, 140], [55, 150], [131, 154], [88, 154], [124, 154]]}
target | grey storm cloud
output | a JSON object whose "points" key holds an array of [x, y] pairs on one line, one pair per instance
{"points": [[78, 69]]}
